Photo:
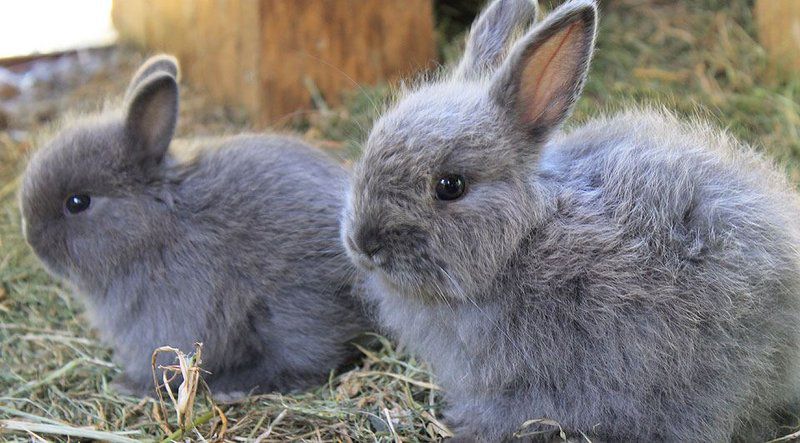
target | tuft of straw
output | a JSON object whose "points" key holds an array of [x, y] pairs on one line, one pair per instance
{"points": [[188, 369]]}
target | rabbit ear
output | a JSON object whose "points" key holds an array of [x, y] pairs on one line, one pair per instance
{"points": [[544, 74], [157, 63], [490, 35], [151, 116]]}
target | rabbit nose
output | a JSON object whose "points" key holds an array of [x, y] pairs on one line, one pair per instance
{"points": [[368, 241]]}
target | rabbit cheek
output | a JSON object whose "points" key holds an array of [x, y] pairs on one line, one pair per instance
{"points": [[46, 239], [51, 251]]}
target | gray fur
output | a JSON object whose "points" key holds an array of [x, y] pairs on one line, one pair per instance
{"points": [[636, 279], [237, 249]]}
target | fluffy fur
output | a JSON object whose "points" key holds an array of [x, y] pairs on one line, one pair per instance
{"points": [[636, 279], [237, 248]]}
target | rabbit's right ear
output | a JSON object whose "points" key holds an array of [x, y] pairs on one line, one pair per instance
{"points": [[490, 35], [157, 63], [545, 72], [151, 117]]}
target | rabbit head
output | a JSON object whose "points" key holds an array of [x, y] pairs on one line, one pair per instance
{"points": [[446, 187], [92, 195]]}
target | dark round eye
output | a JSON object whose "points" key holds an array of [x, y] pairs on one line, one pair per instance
{"points": [[450, 187], [77, 203]]}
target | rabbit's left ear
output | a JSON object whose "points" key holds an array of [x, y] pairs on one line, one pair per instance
{"points": [[543, 76], [151, 117], [491, 34], [163, 63]]}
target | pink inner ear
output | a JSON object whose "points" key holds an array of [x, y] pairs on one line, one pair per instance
{"points": [[549, 76]]}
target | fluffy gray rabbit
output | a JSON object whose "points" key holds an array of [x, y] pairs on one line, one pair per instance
{"points": [[238, 248], [636, 279]]}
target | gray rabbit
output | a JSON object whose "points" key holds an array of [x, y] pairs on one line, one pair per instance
{"points": [[238, 248], [636, 279]]}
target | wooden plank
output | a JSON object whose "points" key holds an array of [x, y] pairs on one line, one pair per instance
{"points": [[338, 45], [129, 18], [261, 55], [216, 42], [778, 24], [223, 52]]}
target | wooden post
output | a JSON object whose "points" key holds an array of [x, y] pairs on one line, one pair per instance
{"points": [[262, 54], [779, 31]]}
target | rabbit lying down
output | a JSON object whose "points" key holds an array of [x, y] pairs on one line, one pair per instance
{"points": [[237, 248], [635, 279]]}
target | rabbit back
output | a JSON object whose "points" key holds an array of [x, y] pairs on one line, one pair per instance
{"points": [[685, 244]]}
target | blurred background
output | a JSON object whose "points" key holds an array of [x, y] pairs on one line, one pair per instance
{"points": [[290, 63], [323, 69]]}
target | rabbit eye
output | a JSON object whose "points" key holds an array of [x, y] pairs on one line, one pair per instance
{"points": [[77, 203], [450, 187]]}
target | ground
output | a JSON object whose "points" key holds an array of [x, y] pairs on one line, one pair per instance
{"points": [[702, 59]]}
